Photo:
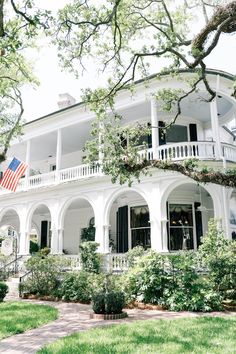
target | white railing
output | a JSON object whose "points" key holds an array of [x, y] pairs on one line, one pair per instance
{"points": [[180, 151], [203, 150], [45, 179], [78, 172], [229, 152]]}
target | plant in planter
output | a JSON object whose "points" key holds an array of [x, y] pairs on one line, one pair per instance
{"points": [[3, 291], [108, 304]]}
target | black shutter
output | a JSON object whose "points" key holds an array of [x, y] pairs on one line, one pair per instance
{"points": [[122, 229], [44, 233], [162, 135], [198, 220], [193, 132], [149, 138]]}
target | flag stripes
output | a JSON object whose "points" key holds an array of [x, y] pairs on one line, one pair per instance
{"points": [[13, 173]]}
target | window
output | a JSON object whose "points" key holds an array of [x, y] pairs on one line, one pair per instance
{"points": [[180, 227], [53, 167], [140, 227], [177, 134]]}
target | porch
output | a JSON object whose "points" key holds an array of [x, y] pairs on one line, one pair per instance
{"points": [[202, 150]]}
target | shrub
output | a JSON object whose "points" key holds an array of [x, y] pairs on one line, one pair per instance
{"points": [[89, 257], [3, 291], [76, 287], [134, 254], [108, 302], [88, 234], [218, 256], [146, 280], [45, 274], [33, 247]]}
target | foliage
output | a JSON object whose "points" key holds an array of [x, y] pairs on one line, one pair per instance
{"points": [[212, 335], [146, 280], [111, 302], [3, 291], [219, 257], [127, 39], [44, 276], [44, 251], [89, 256], [88, 234], [174, 281], [33, 247], [18, 317], [133, 254], [76, 287]]}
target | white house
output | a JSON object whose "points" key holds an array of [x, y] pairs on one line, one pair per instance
{"points": [[60, 195]]}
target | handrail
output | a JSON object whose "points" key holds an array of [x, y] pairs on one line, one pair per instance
{"points": [[13, 261]]}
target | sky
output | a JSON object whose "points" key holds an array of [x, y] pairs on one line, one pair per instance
{"points": [[54, 81]]}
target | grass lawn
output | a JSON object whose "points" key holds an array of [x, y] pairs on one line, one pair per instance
{"points": [[17, 317], [196, 335]]}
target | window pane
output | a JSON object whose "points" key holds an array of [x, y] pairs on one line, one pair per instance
{"points": [[141, 237], [181, 215], [177, 134], [180, 238], [139, 216]]}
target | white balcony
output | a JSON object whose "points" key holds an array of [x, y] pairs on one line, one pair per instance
{"points": [[202, 150]]}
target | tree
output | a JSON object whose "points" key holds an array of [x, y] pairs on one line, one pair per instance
{"points": [[19, 25], [126, 36]]}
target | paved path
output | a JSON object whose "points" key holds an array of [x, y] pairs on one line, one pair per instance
{"points": [[74, 318]]}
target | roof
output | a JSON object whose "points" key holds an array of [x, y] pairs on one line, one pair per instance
{"points": [[208, 71]]}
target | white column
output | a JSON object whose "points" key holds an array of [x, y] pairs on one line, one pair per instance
{"points": [[58, 153], [215, 128], [54, 240], [27, 161], [60, 233], [155, 132], [100, 238], [164, 235], [106, 238], [24, 243], [226, 213]]}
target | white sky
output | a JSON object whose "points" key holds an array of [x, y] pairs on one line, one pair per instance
{"points": [[43, 99]]}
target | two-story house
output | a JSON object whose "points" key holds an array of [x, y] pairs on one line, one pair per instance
{"points": [[60, 195]]}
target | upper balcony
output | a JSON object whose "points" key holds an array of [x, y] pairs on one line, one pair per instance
{"points": [[202, 150]]}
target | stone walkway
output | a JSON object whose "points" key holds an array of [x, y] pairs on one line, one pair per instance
{"points": [[74, 318]]}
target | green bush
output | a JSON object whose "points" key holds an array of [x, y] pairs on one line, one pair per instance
{"points": [[108, 302], [218, 256], [89, 256], [76, 287], [146, 280], [33, 247], [3, 291], [45, 274], [88, 234], [134, 254]]}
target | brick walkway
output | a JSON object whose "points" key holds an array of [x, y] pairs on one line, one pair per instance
{"points": [[74, 318]]}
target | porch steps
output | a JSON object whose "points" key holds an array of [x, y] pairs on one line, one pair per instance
{"points": [[13, 288]]}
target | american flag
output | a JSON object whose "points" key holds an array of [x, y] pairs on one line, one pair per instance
{"points": [[13, 173]]}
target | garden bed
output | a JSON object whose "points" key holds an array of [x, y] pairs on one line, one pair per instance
{"points": [[114, 316]]}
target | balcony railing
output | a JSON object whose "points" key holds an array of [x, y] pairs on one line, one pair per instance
{"points": [[203, 150]]}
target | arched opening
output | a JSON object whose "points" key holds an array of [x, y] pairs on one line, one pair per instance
{"points": [[78, 222], [10, 232], [189, 208], [40, 228], [129, 222], [232, 219]]}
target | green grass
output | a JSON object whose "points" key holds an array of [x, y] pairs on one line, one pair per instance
{"points": [[17, 317], [196, 335]]}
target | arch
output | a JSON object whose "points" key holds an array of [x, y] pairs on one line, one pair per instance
{"points": [[177, 183], [5, 210], [31, 211], [110, 200], [67, 203]]}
